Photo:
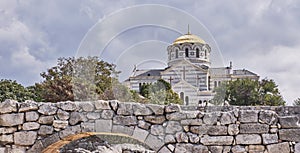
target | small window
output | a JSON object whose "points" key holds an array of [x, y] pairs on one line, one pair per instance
{"points": [[186, 52], [176, 53], [148, 74], [182, 96], [186, 100], [197, 52]]}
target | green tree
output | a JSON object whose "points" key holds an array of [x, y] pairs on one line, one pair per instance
{"points": [[297, 102], [160, 92], [12, 90], [249, 92], [78, 79]]}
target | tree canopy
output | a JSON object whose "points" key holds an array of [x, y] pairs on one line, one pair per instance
{"points": [[12, 90], [249, 92], [160, 92]]}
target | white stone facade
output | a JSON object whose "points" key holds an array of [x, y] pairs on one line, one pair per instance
{"points": [[189, 71]]}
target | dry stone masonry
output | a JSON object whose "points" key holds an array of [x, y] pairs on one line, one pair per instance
{"points": [[31, 127]]}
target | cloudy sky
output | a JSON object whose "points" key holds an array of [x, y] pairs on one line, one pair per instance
{"points": [[261, 36]]}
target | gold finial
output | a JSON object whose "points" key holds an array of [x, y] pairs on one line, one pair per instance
{"points": [[188, 29]]}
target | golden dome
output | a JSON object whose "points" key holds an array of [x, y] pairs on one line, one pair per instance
{"points": [[189, 38]]}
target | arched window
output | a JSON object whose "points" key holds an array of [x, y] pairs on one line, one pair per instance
{"points": [[186, 52], [182, 96], [186, 100], [197, 52], [176, 53], [205, 53]]}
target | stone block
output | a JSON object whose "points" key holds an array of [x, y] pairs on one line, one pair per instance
{"points": [[50, 140], [155, 119], [233, 129], [191, 122], [46, 120], [31, 116], [172, 108], [103, 125], [60, 124], [144, 125], [254, 128], [125, 109], [93, 115], [125, 120], [268, 117], [107, 114], [297, 147], [248, 116], [25, 138], [6, 139], [140, 134], [279, 148], [156, 109], [140, 109], [169, 139], [217, 140], [47, 109], [183, 148], [289, 122], [269, 138], [37, 147], [176, 116], [200, 130], [101, 105], [173, 127], [238, 149], [8, 106], [181, 137], [256, 148], [200, 149], [193, 138], [128, 130], [7, 130], [76, 117], [157, 130], [67, 106], [88, 127], [45, 130], [211, 118], [63, 115], [28, 105], [215, 149], [31, 126], [246, 139], [154, 142], [70, 130], [289, 134], [11, 119], [86, 106], [217, 130], [191, 114], [227, 118]]}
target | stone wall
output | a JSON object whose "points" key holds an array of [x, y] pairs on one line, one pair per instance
{"points": [[31, 126]]}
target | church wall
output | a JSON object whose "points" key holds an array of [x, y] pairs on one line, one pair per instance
{"points": [[31, 127]]}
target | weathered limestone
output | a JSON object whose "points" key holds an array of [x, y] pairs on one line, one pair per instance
{"points": [[11, 119], [8, 106], [279, 148], [248, 139], [25, 138], [248, 116], [216, 140], [47, 109], [290, 134], [31, 127]]}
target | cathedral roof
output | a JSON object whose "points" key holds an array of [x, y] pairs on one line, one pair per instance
{"points": [[189, 38]]}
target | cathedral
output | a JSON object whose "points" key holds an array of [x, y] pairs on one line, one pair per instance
{"points": [[189, 71]]}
